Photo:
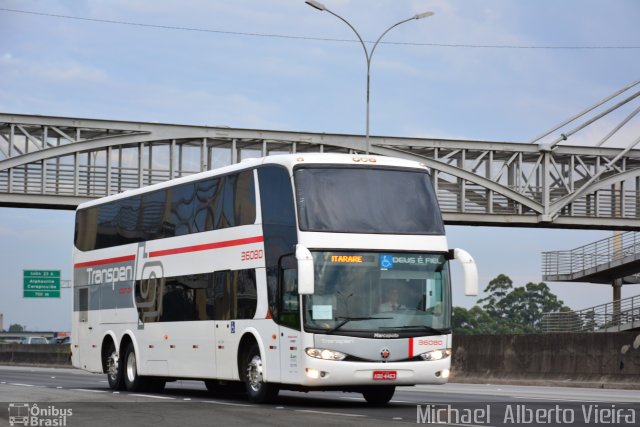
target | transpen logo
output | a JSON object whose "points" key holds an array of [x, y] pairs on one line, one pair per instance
{"points": [[110, 275]]}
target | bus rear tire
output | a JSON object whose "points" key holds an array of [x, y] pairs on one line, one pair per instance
{"points": [[134, 382], [114, 368], [258, 391], [380, 395]]}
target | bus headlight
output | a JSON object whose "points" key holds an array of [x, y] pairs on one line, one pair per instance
{"points": [[436, 354], [325, 354]]}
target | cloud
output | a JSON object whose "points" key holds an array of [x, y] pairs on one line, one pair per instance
{"points": [[396, 68], [53, 71]]}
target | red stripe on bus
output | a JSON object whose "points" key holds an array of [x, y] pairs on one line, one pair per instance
{"points": [[207, 246], [105, 261], [410, 347]]}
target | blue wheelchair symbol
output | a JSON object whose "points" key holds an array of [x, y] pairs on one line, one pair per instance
{"points": [[386, 262]]}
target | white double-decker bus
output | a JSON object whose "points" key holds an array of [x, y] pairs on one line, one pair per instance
{"points": [[300, 272]]}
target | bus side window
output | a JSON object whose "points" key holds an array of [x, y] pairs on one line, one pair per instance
{"points": [[289, 298], [234, 294]]}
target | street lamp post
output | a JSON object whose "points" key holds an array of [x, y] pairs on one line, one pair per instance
{"points": [[321, 7]]}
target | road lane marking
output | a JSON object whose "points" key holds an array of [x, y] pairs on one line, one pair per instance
{"points": [[561, 400], [154, 397], [342, 414], [21, 385], [90, 391], [215, 402], [58, 387], [362, 398]]}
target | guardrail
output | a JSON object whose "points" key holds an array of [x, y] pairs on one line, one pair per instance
{"points": [[610, 317], [592, 255]]}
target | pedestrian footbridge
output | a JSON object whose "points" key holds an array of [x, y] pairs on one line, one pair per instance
{"points": [[603, 261], [616, 316], [59, 162]]}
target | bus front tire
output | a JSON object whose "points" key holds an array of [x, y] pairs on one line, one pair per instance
{"points": [[380, 395], [258, 391]]}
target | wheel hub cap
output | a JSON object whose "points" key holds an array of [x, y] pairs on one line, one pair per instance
{"points": [[112, 365], [254, 373], [131, 367]]}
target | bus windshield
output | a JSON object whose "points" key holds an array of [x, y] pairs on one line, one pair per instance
{"points": [[360, 293], [356, 199]]}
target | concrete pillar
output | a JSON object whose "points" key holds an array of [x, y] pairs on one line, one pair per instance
{"points": [[617, 292]]}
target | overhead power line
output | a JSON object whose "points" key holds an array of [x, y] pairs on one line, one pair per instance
{"points": [[283, 36]]}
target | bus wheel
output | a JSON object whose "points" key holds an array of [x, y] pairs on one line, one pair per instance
{"points": [[115, 374], [132, 380], [258, 391], [380, 395]]}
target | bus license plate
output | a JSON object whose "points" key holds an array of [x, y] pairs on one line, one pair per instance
{"points": [[385, 375]]}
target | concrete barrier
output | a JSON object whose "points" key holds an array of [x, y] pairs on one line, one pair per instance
{"points": [[35, 354], [606, 360], [588, 359]]}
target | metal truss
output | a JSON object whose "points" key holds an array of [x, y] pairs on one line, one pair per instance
{"points": [[58, 162]]}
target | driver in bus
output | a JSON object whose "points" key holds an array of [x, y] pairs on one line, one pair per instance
{"points": [[392, 302]]}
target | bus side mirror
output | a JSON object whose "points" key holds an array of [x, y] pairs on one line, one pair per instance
{"points": [[305, 271], [469, 269]]}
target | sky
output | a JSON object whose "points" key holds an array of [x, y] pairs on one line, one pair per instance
{"points": [[282, 65]]}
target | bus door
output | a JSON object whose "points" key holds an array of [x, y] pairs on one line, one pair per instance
{"points": [[226, 333], [289, 321], [225, 349]]}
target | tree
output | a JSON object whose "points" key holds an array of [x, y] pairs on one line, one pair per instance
{"points": [[475, 321], [16, 328], [498, 289], [508, 309]]}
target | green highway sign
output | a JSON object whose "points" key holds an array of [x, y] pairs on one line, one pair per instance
{"points": [[41, 284]]}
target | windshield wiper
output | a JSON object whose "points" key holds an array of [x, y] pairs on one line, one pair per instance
{"points": [[423, 327], [346, 320]]}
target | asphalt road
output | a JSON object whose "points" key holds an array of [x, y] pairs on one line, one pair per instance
{"points": [[76, 398]]}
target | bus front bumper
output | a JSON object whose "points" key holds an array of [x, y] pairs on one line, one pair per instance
{"points": [[326, 373]]}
